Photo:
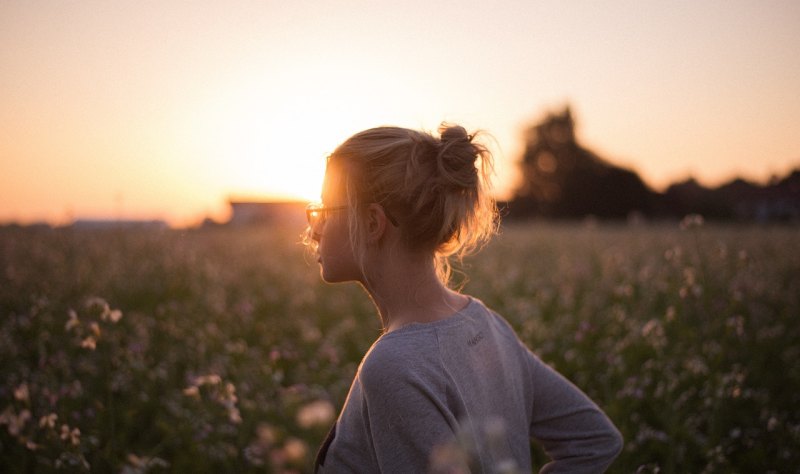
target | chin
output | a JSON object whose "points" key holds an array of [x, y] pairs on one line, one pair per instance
{"points": [[327, 278], [331, 276]]}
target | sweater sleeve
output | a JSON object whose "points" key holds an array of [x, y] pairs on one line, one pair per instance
{"points": [[574, 432], [406, 419]]}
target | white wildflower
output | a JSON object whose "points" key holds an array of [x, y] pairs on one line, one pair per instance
{"points": [[316, 413]]}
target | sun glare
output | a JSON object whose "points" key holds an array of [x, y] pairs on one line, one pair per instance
{"points": [[260, 149], [270, 138], [279, 162]]}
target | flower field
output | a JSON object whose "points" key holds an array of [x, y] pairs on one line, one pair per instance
{"points": [[222, 351]]}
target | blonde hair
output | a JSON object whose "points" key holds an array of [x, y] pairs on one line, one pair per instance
{"points": [[437, 189]]}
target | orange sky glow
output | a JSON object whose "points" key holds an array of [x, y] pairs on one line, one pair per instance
{"points": [[142, 110]]}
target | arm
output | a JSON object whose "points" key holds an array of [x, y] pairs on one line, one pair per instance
{"points": [[571, 428]]}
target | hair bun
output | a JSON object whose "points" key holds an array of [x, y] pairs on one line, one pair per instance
{"points": [[451, 133], [456, 156]]}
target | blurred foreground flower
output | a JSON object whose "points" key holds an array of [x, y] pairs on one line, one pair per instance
{"points": [[691, 221], [295, 450], [192, 391], [21, 393], [72, 435], [257, 451], [89, 343], [48, 421], [457, 455], [15, 422], [73, 321], [448, 458], [212, 379], [141, 465], [224, 394], [316, 413], [106, 313]]}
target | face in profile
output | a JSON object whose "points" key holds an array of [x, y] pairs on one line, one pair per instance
{"points": [[331, 230]]}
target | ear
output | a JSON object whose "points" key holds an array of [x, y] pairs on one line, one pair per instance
{"points": [[376, 223]]}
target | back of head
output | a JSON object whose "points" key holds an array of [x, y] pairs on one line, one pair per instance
{"points": [[436, 188]]}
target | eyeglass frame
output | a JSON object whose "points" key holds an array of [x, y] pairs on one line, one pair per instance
{"points": [[322, 209]]}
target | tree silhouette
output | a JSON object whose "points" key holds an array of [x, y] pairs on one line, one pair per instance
{"points": [[563, 179]]}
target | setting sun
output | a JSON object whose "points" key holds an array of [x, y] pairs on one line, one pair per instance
{"points": [[273, 140]]}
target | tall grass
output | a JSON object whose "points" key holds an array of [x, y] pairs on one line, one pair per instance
{"points": [[221, 351]]}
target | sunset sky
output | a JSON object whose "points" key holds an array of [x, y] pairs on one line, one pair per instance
{"points": [[154, 109]]}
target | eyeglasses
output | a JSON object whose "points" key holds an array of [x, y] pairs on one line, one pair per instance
{"points": [[317, 213]]}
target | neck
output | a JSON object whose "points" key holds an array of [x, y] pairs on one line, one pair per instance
{"points": [[407, 290]]}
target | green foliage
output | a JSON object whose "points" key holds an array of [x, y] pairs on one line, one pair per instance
{"points": [[221, 351]]}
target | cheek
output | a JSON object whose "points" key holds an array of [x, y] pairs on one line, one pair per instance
{"points": [[338, 260], [332, 240]]}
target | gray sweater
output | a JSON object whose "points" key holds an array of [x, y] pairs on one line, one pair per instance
{"points": [[464, 384]]}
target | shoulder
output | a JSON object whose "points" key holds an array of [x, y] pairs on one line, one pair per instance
{"points": [[383, 356], [392, 355], [498, 322], [396, 361], [506, 336]]}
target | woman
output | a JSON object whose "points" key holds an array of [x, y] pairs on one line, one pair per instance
{"points": [[448, 386]]}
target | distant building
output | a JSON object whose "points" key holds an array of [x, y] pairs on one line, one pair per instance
{"points": [[105, 224], [245, 213]]}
